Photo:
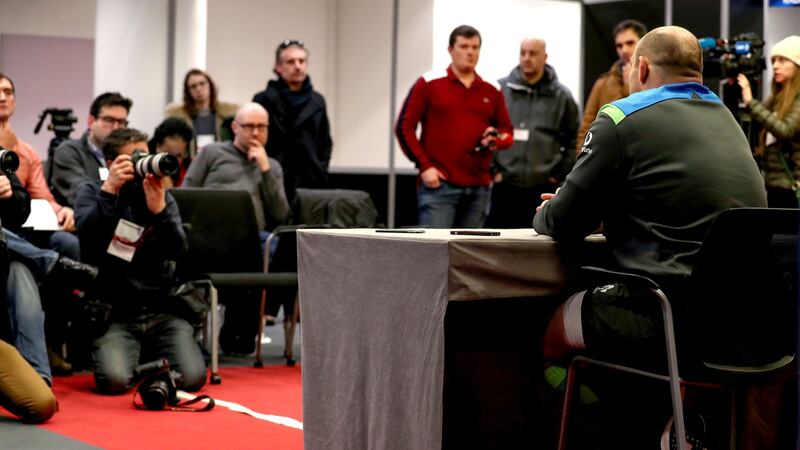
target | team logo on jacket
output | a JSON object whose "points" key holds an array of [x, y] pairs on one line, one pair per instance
{"points": [[585, 148], [485, 99]]}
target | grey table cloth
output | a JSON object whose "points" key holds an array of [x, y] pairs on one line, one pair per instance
{"points": [[373, 307]]}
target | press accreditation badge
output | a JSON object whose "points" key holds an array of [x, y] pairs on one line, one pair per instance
{"points": [[126, 239], [103, 172], [522, 134]]}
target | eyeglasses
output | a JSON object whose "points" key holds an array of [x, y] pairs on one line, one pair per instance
{"points": [[291, 42], [249, 127], [198, 85], [114, 121]]}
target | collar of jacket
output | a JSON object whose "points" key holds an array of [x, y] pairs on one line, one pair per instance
{"points": [[545, 85]]}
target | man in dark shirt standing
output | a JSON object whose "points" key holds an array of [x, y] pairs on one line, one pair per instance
{"points": [[299, 131], [545, 122], [464, 121]]}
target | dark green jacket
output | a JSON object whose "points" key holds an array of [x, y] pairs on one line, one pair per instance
{"points": [[787, 134]]}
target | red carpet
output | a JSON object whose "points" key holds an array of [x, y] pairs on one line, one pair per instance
{"points": [[113, 422]]}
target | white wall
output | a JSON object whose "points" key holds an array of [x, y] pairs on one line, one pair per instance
{"points": [[191, 17], [131, 56], [243, 35], [73, 18]]}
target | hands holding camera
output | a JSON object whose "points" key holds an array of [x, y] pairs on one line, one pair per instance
{"points": [[122, 171], [5, 188]]}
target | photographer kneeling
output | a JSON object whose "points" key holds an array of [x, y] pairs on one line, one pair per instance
{"points": [[130, 228]]}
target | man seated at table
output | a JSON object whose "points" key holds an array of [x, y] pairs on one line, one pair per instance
{"points": [[655, 169], [130, 228]]}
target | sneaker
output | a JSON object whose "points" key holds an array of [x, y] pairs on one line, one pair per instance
{"points": [[556, 377], [695, 433]]}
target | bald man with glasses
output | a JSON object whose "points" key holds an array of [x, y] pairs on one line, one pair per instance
{"points": [[298, 118], [244, 165]]}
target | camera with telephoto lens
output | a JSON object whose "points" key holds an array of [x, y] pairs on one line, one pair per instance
{"points": [[728, 58], [158, 387], [160, 164], [9, 161]]}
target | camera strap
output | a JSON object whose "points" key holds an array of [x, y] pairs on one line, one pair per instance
{"points": [[181, 406]]}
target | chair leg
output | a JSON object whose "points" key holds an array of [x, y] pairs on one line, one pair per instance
{"points": [[732, 437], [215, 378], [570, 392], [672, 366], [289, 330], [259, 363]]}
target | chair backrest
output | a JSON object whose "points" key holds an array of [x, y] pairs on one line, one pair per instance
{"points": [[339, 208], [742, 306], [221, 229]]}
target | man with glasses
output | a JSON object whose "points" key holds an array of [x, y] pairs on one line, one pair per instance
{"points": [[244, 165], [79, 161], [298, 119]]}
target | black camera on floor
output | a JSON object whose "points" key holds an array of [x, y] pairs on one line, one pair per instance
{"points": [[158, 385], [160, 164], [9, 161]]}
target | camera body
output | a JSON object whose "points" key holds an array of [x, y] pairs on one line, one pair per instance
{"points": [[158, 385], [9, 161], [160, 164], [728, 58], [482, 148]]}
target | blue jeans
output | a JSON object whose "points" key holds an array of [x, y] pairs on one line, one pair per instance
{"points": [[66, 243], [27, 318], [144, 339], [451, 206], [41, 260]]}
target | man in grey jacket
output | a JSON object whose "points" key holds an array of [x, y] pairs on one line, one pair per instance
{"points": [[244, 165], [545, 121]]}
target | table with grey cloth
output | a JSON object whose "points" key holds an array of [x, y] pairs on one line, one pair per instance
{"points": [[373, 308]]}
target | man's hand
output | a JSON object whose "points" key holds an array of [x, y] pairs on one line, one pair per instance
{"points": [[5, 188], [546, 197], [155, 193], [120, 172], [747, 91], [8, 139], [431, 177], [498, 177], [66, 218], [489, 139], [258, 154]]}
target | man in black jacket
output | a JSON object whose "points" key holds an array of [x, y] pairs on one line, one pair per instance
{"points": [[299, 131], [130, 228]]}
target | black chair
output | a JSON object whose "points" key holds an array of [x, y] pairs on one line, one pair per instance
{"points": [[224, 249], [737, 324], [311, 208]]}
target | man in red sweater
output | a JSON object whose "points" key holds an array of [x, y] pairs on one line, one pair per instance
{"points": [[464, 121]]}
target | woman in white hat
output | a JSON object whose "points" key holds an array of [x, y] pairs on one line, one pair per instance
{"points": [[780, 116]]}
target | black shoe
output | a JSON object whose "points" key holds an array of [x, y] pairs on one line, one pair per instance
{"points": [[58, 365], [73, 274]]}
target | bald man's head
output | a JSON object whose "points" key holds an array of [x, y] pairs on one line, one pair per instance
{"points": [[250, 126], [672, 51], [532, 58]]}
